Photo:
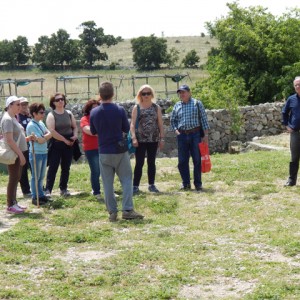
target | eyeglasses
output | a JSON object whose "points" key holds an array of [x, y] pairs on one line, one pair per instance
{"points": [[146, 94], [18, 104], [41, 112], [59, 99], [297, 85]]}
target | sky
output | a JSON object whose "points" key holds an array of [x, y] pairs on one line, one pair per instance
{"points": [[125, 18]]}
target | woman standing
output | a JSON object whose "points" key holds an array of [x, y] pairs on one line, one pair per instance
{"points": [[42, 135], [90, 147], [148, 136], [63, 128], [13, 134]]}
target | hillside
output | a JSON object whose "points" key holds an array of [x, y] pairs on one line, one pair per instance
{"points": [[122, 52]]}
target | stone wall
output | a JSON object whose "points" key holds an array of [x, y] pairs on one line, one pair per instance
{"points": [[258, 120]]}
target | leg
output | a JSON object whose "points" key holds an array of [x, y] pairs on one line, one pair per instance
{"points": [[140, 154], [14, 175], [195, 153], [151, 156], [107, 169], [66, 161], [183, 158], [24, 182], [93, 160], [54, 161], [295, 155], [124, 172]]}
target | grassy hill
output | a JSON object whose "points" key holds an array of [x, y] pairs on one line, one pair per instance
{"points": [[122, 77]]}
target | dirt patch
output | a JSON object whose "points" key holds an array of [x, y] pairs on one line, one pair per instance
{"points": [[222, 288]]}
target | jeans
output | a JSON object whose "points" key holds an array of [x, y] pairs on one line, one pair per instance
{"points": [[41, 164], [111, 164], [295, 146], [93, 160], [14, 175], [62, 155], [188, 146], [140, 154]]}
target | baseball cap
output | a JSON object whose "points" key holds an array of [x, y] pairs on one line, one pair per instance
{"points": [[183, 87], [11, 99], [23, 99]]}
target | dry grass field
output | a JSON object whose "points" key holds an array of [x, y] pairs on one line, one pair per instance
{"points": [[122, 77]]}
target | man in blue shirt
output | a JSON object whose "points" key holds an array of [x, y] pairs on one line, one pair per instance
{"points": [[291, 119], [109, 122], [188, 120]]}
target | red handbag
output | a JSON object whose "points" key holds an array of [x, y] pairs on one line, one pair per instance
{"points": [[205, 158]]}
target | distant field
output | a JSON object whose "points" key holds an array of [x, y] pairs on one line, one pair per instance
{"points": [[122, 78]]}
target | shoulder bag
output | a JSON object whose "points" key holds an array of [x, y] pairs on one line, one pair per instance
{"points": [[7, 155]]}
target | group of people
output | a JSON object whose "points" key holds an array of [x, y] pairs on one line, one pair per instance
{"points": [[104, 125]]}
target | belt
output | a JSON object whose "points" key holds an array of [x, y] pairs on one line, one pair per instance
{"points": [[190, 130]]}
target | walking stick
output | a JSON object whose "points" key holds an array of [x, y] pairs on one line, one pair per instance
{"points": [[35, 174]]}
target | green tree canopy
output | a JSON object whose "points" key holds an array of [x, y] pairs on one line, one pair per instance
{"points": [[191, 59], [91, 39], [257, 48], [149, 52]]}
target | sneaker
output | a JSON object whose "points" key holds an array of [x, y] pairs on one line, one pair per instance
{"points": [[47, 193], [65, 193], [135, 189], [113, 217], [15, 209], [152, 188], [20, 206], [184, 187], [131, 215], [27, 195]]}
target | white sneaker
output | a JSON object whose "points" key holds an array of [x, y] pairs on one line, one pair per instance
{"points": [[15, 209]]}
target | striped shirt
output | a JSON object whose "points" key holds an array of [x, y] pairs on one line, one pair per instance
{"points": [[185, 115]]}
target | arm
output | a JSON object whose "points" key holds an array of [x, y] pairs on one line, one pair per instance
{"points": [[50, 122], [74, 127], [87, 129], [8, 136], [132, 126], [161, 128], [285, 116], [174, 120]]}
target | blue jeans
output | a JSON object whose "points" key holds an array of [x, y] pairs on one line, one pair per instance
{"points": [[111, 164], [188, 146], [92, 157], [41, 164]]}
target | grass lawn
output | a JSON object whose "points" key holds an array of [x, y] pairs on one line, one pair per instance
{"points": [[238, 239]]}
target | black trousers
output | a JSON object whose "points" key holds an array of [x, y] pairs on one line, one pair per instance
{"points": [[24, 182], [61, 154], [140, 154]]}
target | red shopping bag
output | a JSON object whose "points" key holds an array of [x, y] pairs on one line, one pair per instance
{"points": [[205, 158]]}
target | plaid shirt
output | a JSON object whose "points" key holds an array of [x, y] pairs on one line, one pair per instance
{"points": [[185, 115]]}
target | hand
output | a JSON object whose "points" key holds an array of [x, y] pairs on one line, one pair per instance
{"points": [[22, 160], [69, 143], [74, 138], [161, 145], [177, 132], [135, 142], [289, 129], [205, 139]]}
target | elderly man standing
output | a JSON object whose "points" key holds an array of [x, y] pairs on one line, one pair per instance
{"points": [[189, 120], [291, 119]]}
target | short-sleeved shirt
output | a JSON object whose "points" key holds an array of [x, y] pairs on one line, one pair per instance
{"points": [[89, 142], [39, 129], [9, 124]]}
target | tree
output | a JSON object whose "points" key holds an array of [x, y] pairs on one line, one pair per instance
{"points": [[6, 52], [191, 59], [149, 52], [255, 47], [21, 50], [172, 57], [91, 39]]}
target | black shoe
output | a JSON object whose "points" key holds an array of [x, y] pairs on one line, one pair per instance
{"points": [[198, 188], [42, 201], [185, 187], [290, 183]]}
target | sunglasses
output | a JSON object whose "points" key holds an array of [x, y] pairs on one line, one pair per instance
{"points": [[146, 94], [59, 99], [41, 112]]}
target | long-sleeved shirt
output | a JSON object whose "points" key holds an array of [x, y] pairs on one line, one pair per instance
{"points": [[291, 112], [185, 115], [109, 121]]}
